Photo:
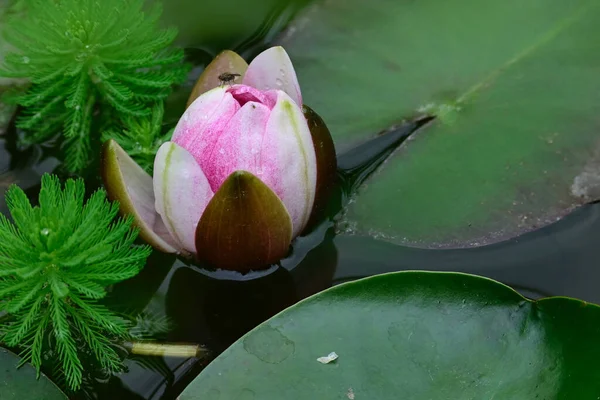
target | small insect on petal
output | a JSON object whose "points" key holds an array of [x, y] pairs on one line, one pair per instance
{"points": [[328, 358], [225, 62], [228, 77]]}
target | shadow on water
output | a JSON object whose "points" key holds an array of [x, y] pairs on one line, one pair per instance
{"points": [[214, 309], [556, 260]]}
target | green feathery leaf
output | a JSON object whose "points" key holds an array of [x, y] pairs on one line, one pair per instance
{"points": [[85, 55], [56, 261], [141, 137]]}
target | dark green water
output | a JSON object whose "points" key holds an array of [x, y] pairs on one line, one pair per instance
{"points": [[214, 309]]}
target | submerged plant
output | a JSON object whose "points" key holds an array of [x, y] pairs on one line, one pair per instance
{"points": [[56, 261], [84, 54]]}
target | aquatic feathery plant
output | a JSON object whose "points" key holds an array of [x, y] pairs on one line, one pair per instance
{"points": [[86, 55], [141, 137], [56, 261]]}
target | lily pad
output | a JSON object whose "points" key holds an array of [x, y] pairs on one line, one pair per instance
{"points": [[217, 24], [513, 85], [414, 336], [18, 384]]}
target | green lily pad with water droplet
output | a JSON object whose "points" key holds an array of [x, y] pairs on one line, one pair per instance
{"points": [[414, 336], [21, 384]]}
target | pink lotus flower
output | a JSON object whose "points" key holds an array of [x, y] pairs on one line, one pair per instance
{"points": [[238, 180]]}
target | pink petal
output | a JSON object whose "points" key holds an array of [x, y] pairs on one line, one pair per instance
{"points": [[244, 93], [273, 69], [239, 146], [203, 121], [182, 193], [289, 164]]}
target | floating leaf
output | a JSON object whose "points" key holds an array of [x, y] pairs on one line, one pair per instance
{"points": [[514, 88], [22, 383], [415, 336]]}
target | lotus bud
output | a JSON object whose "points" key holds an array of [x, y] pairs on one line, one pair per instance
{"points": [[239, 178]]}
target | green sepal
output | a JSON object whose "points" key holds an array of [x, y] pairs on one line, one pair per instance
{"points": [[326, 164], [128, 183], [244, 227]]}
